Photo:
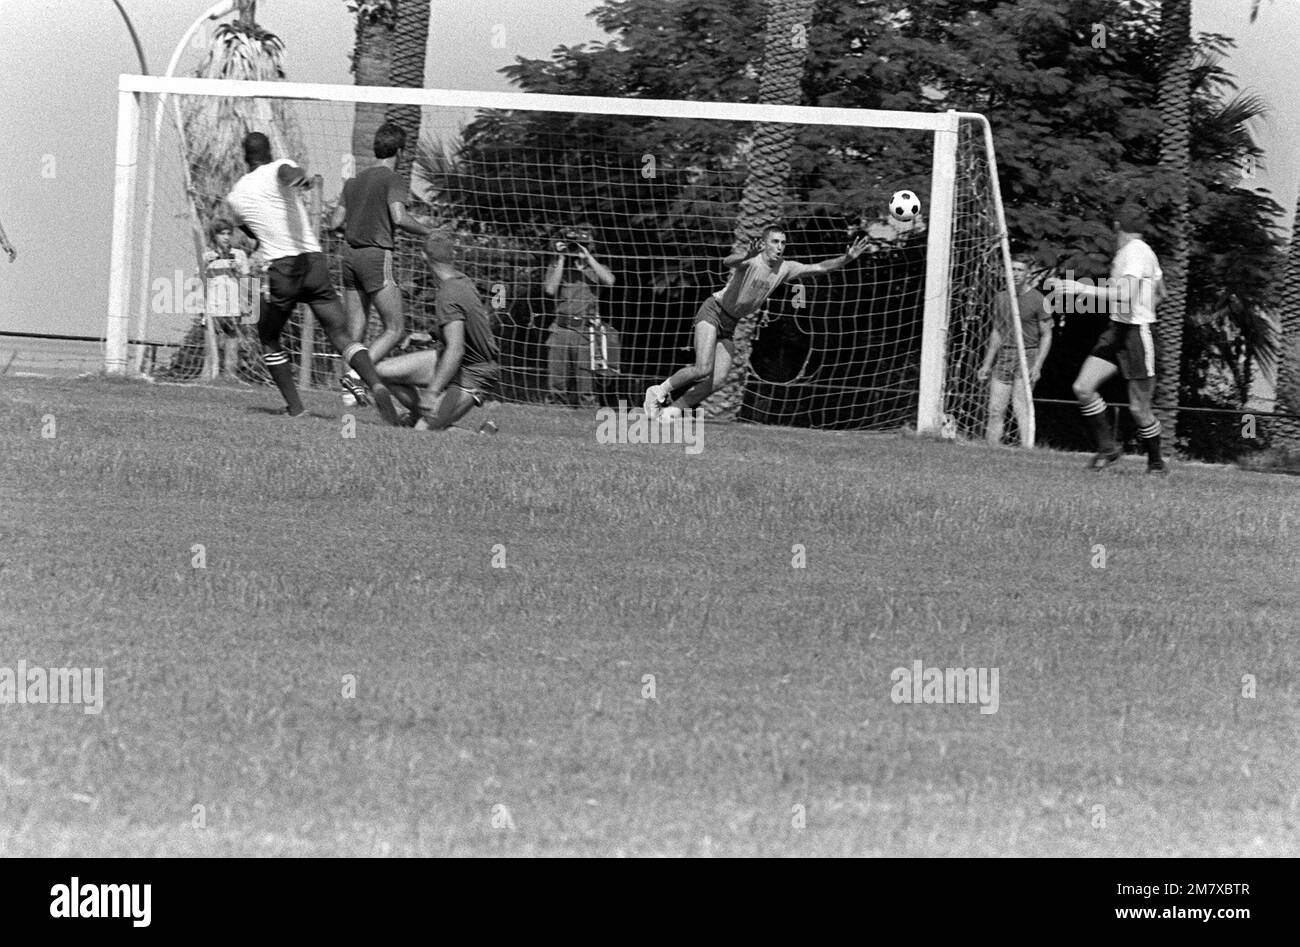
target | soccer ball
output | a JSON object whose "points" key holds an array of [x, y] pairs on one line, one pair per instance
{"points": [[904, 205]]}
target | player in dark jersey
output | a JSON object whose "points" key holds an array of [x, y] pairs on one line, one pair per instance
{"points": [[371, 210], [267, 205], [465, 372]]}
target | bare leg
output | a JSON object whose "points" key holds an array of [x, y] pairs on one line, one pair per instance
{"points": [[706, 347], [700, 391], [389, 303]]}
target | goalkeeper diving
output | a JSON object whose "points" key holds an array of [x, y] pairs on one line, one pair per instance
{"points": [[756, 272]]}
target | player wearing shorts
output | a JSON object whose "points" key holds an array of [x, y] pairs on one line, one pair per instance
{"points": [[1131, 294], [465, 373], [225, 276], [1001, 367], [370, 211], [756, 273], [267, 205]]}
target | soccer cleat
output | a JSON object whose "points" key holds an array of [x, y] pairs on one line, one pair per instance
{"points": [[290, 416], [655, 396], [1103, 459], [385, 406], [1159, 469], [356, 391], [488, 427]]}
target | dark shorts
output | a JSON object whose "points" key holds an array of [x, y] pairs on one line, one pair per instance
{"points": [[479, 379], [368, 269], [292, 280], [1130, 347], [713, 313], [1006, 364]]}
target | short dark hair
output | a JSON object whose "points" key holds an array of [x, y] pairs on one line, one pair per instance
{"points": [[769, 229], [257, 148], [217, 225], [1131, 218], [439, 248], [389, 140]]}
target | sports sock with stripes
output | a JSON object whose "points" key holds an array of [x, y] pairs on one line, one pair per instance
{"points": [[277, 363], [1150, 438], [358, 357], [1094, 413]]}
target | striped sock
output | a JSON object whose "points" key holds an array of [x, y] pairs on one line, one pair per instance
{"points": [[1094, 412], [277, 363], [1150, 437], [358, 358]]}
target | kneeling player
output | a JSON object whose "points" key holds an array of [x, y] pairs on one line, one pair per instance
{"points": [[756, 273], [1135, 286], [465, 372]]}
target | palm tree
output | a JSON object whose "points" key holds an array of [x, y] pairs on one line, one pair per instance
{"points": [[213, 130], [372, 60], [784, 57], [411, 39], [1175, 158]]}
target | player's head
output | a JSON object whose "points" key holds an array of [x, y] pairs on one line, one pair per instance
{"points": [[389, 140], [1130, 219], [220, 231], [439, 250], [1022, 264], [773, 238], [257, 149]]}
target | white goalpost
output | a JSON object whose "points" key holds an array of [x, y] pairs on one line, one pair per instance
{"points": [[889, 341]]}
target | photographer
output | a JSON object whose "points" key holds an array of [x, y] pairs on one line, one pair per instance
{"points": [[574, 279]]}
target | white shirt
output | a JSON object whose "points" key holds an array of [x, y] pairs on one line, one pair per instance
{"points": [[223, 294], [1136, 259], [274, 212], [752, 282]]}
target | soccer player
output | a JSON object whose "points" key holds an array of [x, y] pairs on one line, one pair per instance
{"points": [[466, 370], [225, 272], [1135, 287], [574, 279], [372, 207], [756, 273], [1002, 359], [267, 205]]}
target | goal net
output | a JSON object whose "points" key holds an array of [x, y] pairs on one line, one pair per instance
{"points": [[652, 189]]}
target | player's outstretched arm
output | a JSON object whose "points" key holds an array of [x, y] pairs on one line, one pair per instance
{"points": [[855, 250]]}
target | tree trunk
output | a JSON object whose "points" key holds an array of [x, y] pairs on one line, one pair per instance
{"points": [[411, 39], [785, 52], [372, 58], [1285, 432], [1175, 159]]}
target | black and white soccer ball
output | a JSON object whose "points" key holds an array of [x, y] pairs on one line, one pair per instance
{"points": [[904, 205]]}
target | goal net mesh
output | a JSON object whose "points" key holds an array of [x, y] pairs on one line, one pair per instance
{"points": [[660, 199]]}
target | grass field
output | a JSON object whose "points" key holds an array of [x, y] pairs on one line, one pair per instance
{"points": [[502, 710]]}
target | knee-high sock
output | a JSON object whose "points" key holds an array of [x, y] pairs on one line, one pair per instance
{"points": [[358, 357], [277, 363], [1094, 412], [1150, 438]]}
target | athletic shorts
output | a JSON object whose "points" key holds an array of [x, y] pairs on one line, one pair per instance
{"points": [[368, 269], [479, 379], [291, 280], [713, 313], [1006, 364], [1130, 347]]}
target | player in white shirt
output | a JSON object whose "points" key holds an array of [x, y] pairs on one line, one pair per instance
{"points": [[754, 276], [267, 204], [1130, 296]]}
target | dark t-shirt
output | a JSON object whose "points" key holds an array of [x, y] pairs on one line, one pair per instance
{"points": [[366, 197], [1032, 313], [458, 301]]}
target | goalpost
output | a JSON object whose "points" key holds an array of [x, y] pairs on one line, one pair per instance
{"points": [[891, 340]]}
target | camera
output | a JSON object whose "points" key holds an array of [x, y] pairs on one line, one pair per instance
{"points": [[573, 241]]}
